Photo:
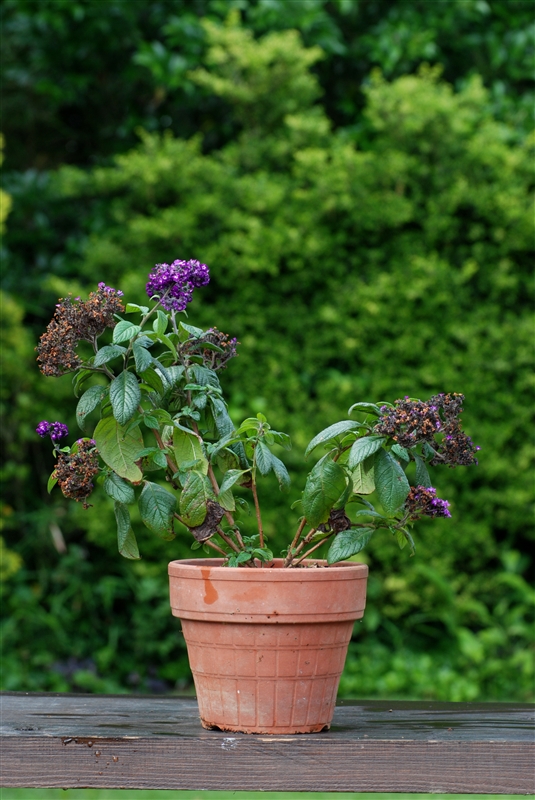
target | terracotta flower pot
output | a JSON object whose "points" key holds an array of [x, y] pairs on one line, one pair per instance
{"points": [[267, 646]]}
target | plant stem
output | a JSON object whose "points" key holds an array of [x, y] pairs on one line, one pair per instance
{"points": [[228, 540], [215, 547], [258, 515], [289, 557], [315, 547]]}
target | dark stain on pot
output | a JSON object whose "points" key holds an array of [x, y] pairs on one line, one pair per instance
{"points": [[210, 593]]}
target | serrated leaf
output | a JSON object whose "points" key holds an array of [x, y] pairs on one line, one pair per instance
{"points": [[422, 475], [124, 331], [151, 422], [195, 495], [226, 500], [88, 402], [390, 481], [119, 489], [363, 476], [126, 541], [263, 458], [187, 447], [331, 433], [364, 447], [281, 473], [142, 357], [107, 353], [222, 420], [156, 508], [230, 478], [119, 448], [159, 459], [348, 543], [324, 485], [125, 395], [401, 452], [195, 332]]}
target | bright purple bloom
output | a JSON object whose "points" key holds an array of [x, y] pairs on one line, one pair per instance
{"points": [[56, 430], [174, 283], [43, 429]]}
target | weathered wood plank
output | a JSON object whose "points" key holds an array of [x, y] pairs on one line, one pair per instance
{"points": [[373, 746]]}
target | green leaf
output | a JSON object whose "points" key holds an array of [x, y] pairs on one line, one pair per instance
{"points": [[142, 357], [348, 543], [125, 395], [230, 478], [151, 422], [422, 475], [226, 500], [324, 485], [154, 380], [159, 459], [108, 353], [369, 408], [401, 452], [195, 332], [391, 482], [126, 541], [331, 433], [88, 402], [80, 378], [364, 447], [160, 323], [51, 482], [279, 468], [156, 508], [196, 493], [263, 458], [187, 447], [363, 476], [118, 489], [118, 448], [132, 307], [124, 331]]}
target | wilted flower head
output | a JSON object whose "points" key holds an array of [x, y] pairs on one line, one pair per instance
{"points": [[174, 283], [411, 422], [56, 430], [75, 471], [73, 321]]}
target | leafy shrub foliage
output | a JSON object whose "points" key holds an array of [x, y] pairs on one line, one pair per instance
{"points": [[347, 270]]}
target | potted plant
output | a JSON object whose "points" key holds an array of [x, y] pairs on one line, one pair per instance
{"points": [[267, 636]]}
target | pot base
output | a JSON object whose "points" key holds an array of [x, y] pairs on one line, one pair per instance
{"points": [[267, 678]]}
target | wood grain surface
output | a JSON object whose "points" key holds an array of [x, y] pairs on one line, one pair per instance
{"points": [[125, 741]]}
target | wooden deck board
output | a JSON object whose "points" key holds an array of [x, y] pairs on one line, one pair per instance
{"points": [[129, 741]]}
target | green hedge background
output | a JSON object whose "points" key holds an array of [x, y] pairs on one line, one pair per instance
{"points": [[358, 176]]}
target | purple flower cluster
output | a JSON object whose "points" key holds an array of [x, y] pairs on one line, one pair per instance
{"points": [[174, 283], [422, 501], [56, 430]]}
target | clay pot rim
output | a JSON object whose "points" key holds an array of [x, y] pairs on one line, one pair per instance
{"points": [[273, 571]]}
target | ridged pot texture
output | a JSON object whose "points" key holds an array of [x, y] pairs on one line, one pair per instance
{"points": [[267, 646]]}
